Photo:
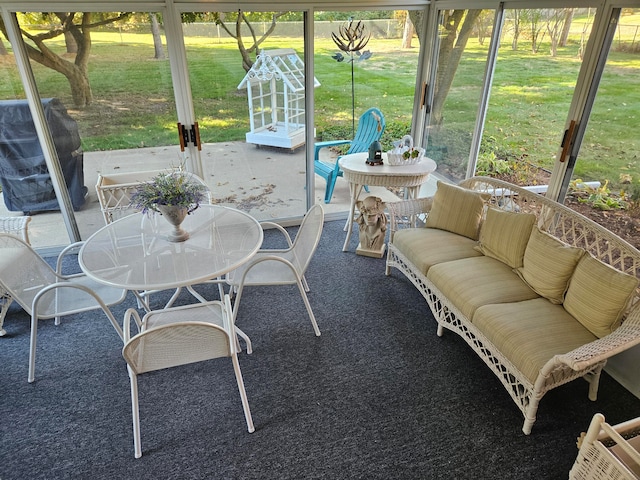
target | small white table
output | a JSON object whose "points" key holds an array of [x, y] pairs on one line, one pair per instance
{"points": [[358, 173], [134, 253]]}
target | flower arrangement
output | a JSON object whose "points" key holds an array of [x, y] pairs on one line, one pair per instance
{"points": [[173, 189]]}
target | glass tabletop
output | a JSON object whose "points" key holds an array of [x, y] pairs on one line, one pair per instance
{"points": [[134, 253]]}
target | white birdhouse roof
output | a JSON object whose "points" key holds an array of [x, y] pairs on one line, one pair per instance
{"points": [[283, 65]]}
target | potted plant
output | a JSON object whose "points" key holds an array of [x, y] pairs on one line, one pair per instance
{"points": [[174, 195]]}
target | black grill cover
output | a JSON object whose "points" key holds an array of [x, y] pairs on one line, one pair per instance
{"points": [[25, 180]]}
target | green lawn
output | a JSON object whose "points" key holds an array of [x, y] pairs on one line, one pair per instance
{"points": [[133, 97]]}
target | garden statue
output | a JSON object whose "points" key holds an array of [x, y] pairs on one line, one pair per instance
{"points": [[372, 227]]}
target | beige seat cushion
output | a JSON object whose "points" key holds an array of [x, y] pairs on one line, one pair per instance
{"points": [[598, 295], [456, 209], [425, 247], [472, 282], [548, 265], [530, 333], [504, 235]]}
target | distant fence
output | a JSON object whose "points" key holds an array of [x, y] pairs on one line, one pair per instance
{"points": [[385, 28]]}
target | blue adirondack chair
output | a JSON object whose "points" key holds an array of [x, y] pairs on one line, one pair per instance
{"points": [[370, 127]]}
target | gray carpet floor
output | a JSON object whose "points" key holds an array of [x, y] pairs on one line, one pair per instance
{"points": [[377, 396]]}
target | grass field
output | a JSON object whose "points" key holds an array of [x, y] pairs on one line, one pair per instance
{"points": [[134, 107]]}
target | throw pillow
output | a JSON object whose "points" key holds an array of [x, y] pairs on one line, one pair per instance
{"points": [[457, 210], [548, 264], [598, 295], [504, 235]]}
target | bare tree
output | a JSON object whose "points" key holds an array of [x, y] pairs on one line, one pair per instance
{"points": [[78, 25], [536, 25], [555, 19], [236, 33], [515, 26]]}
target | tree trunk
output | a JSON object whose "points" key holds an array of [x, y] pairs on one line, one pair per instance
{"points": [[157, 38], [70, 42], [416, 19], [407, 33], [452, 47], [247, 61], [3, 49], [80, 87], [516, 30], [568, 18]]}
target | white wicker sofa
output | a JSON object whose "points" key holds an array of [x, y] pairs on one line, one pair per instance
{"points": [[541, 293]]}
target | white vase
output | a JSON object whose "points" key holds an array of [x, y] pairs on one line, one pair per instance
{"points": [[175, 216]]}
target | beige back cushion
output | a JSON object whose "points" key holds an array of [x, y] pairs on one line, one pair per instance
{"points": [[456, 209], [548, 264], [504, 235], [598, 295]]}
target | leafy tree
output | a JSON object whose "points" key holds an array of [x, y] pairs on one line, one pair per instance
{"points": [[78, 26]]}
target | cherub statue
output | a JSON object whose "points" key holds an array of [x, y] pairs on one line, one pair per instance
{"points": [[372, 225]]}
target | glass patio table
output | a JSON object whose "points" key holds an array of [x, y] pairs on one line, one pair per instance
{"points": [[134, 253]]}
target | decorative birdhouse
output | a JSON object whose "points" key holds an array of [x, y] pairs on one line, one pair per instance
{"points": [[275, 92]]}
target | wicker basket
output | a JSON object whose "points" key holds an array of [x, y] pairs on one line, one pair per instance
{"points": [[115, 191], [610, 455], [403, 147], [398, 158]]}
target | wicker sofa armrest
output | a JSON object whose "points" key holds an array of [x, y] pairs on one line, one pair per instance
{"points": [[623, 338], [408, 213]]}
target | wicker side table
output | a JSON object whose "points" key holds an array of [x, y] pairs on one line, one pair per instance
{"points": [[358, 173]]}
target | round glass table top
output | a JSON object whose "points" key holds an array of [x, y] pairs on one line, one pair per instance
{"points": [[134, 253]]}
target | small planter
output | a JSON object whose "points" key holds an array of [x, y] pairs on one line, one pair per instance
{"points": [[175, 216]]}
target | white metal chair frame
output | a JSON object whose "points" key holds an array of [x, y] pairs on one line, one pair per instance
{"points": [[179, 336], [46, 293], [18, 226], [264, 268]]}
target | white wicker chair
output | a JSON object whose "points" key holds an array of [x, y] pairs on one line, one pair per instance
{"points": [[178, 336], [46, 293], [18, 226], [282, 266]]}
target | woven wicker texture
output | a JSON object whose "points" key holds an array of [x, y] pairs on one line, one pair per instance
{"points": [[597, 461], [564, 224]]}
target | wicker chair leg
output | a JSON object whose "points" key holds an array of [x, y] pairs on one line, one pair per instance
{"points": [[594, 382], [530, 414]]}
